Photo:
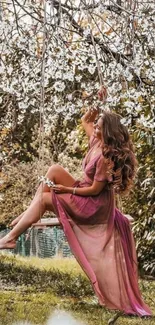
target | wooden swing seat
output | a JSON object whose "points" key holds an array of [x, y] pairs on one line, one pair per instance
{"points": [[48, 222], [51, 222]]}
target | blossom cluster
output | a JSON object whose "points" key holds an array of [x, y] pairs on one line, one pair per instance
{"points": [[124, 52], [46, 181]]}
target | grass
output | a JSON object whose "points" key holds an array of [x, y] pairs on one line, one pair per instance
{"points": [[31, 288], [62, 264]]}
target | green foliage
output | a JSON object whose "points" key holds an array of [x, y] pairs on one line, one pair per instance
{"points": [[18, 143], [140, 203], [18, 184]]}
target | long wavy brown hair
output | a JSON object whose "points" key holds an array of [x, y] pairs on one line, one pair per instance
{"points": [[118, 151]]}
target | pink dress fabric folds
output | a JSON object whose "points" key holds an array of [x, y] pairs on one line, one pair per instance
{"points": [[100, 238]]}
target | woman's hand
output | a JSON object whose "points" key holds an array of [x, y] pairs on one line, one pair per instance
{"points": [[58, 188], [88, 119], [102, 94], [93, 114], [90, 115]]}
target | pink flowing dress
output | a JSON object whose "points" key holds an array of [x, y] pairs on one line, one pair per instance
{"points": [[100, 238]]}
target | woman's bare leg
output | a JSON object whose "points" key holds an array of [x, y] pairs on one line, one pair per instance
{"points": [[41, 189], [58, 175], [32, 214], [40, 203], [16, 220]]}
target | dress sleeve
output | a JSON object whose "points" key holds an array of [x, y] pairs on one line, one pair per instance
{"points": [[102, 173]]}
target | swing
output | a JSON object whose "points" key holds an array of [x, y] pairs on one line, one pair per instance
{"points": [[43, 223]]}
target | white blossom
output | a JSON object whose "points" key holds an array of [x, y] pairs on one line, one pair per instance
{"points": [[78, 78], [59, 86], [91, 69]]}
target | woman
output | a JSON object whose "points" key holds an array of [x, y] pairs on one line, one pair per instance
{"points": [[98, 234]]}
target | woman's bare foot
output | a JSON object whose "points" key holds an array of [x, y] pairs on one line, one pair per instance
{"points": [[6, 244]]}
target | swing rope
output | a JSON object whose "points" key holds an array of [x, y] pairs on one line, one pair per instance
{"points": [[100, 75], [42, 100], [52, 221], [99, 70], [42, 95]]}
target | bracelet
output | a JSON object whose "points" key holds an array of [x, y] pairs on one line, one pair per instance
{"points": [[74, 190]]}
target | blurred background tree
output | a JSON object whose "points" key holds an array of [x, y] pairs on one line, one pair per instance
{"points": [[63, 47]]}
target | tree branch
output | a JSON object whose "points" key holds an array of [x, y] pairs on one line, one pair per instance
{"points": [[118, 56]]}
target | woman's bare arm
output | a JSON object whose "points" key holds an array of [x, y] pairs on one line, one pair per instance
{"points": [[89, 117], [88, 120], [92, 190]]}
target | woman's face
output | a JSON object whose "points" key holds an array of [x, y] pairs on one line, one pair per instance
{"points": [[98, 129]]}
